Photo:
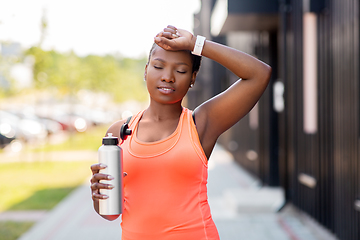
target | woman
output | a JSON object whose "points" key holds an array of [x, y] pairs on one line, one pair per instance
{"points": [[165, 159]]}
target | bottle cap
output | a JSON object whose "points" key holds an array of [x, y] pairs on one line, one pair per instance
{"points": [[110, 140]]}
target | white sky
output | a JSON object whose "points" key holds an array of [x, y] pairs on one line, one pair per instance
{"points": [[93, 26]]}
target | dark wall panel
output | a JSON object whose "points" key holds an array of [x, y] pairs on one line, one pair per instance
{"points": [[325, 86], [330, 155], [345, 45]]}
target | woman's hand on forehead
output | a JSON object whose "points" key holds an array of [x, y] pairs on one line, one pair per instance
{"points": [[173, 39], [170, 32]]}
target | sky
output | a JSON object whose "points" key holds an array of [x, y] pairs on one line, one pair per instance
{"points": [[125, 27]]}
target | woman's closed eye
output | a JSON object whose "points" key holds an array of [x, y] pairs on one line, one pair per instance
{"points": [[179, 71]]}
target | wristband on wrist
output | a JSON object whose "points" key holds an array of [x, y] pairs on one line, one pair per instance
{"points": [[199, 44]]}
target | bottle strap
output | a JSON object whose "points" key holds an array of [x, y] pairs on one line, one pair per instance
{"points": [[128, 120], [124, 130], [193, 116]]}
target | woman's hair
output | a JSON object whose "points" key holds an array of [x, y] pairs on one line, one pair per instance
{"points": [[195, 60]]}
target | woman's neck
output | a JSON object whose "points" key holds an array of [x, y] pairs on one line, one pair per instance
{"points": [[159, 112]]}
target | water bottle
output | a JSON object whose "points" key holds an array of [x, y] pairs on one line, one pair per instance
{"points": [[110, 154]]}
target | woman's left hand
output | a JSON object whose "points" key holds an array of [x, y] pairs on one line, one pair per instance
{"points": [[173, 39]]}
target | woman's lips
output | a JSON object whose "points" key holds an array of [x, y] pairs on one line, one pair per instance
{"points": [[166, 90]]}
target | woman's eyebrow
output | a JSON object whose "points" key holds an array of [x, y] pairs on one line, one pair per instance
{"points": [[178, 63], [159, 59]]}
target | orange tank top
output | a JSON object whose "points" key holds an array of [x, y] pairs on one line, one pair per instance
{"points": [[165, 190]]}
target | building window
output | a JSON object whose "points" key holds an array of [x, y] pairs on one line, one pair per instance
{"points": [[310, 72]]}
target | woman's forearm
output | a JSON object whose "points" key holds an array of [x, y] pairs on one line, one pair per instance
{"points": [[240, 63]]}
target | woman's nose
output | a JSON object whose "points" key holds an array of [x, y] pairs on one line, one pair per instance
{"points": [[168, 77]]}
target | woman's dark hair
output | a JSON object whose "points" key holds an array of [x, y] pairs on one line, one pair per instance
{"points": [[195, 60]]}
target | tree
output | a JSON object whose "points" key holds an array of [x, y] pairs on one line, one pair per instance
{"points": [[122, 78]]}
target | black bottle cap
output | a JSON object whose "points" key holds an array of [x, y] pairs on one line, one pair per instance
{"points": [[110, 140]]}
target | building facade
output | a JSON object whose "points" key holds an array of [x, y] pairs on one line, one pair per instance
{"points": [[304, 133]]}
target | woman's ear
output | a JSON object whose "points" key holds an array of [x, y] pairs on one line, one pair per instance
{"points": [[146, 66], [193, 78]]}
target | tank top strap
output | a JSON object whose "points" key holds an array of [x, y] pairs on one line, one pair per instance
{"points": [[135, 119], [194, 136]]}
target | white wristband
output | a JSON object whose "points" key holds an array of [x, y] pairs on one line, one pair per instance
{"points": [[199, 44]]}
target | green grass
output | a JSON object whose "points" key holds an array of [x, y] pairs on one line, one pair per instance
{"points": [[44, 199], [13, 230], [42, 184], [39, 185]]}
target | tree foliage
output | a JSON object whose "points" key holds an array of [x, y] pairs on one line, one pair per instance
{"points": [[120, 77]]}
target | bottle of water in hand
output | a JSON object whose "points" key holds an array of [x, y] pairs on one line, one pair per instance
{"points": [[110, 154]]}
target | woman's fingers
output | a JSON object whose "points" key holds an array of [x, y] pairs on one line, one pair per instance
{"points": [[100, 176], [173, 30], [164, 42], [174, 39], [168, 35], [172, 27], [95, 168], [95, 189], [160, 34], [96, 177], [97, 186], [170, 32], [97, 196]]}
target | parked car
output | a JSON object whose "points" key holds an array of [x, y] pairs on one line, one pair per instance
{"points": [[12, 126], [4, 140], [50, 125]]}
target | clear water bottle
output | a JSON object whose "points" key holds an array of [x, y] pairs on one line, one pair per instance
{"points": [[110, 154]]}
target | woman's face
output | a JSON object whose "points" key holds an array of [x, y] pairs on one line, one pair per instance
{"points": [[169, 75]]}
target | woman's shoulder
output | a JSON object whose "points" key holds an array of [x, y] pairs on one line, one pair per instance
{"points": [[115, 128]]}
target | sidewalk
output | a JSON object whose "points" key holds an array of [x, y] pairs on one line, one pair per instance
{"points": [[241, 209]]}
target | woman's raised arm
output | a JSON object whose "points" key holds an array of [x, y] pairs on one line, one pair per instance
{"points": [[224, 110], [219, 113]]}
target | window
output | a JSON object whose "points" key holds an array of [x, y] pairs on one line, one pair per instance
{"points": [[310, 72]]}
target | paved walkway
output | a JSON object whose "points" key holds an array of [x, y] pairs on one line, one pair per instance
{"points": [[241, 209]]}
